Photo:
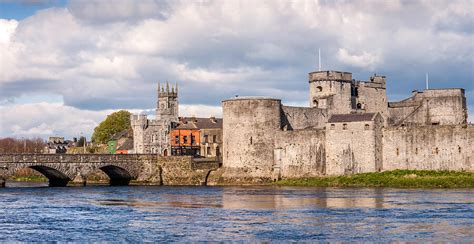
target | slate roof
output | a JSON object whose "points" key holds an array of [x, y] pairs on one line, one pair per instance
{"points": [[190, 123], [127, 145], [120, 134], [336, 118]]}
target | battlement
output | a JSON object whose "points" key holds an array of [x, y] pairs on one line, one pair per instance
{"points": [[330, 75], [445, 92], [138, 117]]}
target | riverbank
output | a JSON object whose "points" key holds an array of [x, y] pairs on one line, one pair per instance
{"points": [[29, 178], [396, 178]]}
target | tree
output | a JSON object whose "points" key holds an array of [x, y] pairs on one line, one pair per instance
{"points": [[81, 142], [13, 145], [115, 122]]}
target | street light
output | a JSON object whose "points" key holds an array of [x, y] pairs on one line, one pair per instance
{"points": [[24, 144]]}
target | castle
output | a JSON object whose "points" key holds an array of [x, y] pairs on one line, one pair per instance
{"points": [[349, 128]]}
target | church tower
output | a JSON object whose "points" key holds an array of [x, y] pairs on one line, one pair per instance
{"points": [[167, 104]]}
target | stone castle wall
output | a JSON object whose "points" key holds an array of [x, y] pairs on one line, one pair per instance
{"points": [[300, 153], [353, 147], [295, 118], [449, 147], [433, 106]]}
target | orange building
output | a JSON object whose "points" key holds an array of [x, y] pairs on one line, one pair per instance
{"points": [[186, 136]]}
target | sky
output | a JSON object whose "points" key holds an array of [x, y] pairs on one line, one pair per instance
{"points": [[66, 64]]}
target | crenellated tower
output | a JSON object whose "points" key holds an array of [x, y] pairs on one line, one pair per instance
{"points": [[330, 90], [167, 104]]}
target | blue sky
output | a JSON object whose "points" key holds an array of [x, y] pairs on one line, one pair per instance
{"points": [[22, 9], [66, 64]]}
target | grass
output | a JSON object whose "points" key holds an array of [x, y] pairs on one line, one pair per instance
{"points": [[396, 178], [30, 178]]}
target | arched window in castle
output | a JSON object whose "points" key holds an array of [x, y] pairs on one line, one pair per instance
{"points": [[320, 88], [315, 103], [333, 126], [367, 127], [344, 126], [359, 106], [251, 141], [459, 149], [398, 151], [436, 151]]}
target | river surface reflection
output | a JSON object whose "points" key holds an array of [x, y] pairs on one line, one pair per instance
{"points": [[158, 213]]}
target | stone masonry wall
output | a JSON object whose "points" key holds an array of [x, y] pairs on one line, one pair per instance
{"points": [[449, 147], [295, 118], [351, 150], [299, 153], [176, 170]]}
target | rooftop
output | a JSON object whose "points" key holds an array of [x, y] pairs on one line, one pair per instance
{"points": [[191, 123]]}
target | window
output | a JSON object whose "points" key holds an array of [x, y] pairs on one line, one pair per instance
{"points": [[344, 126], [416, 151], [359, 106], [185, 139], [218, 152], [398, 151], [193, 139], [367, 127], [205, 138], [436, 151], [315, 103], [208, 149], [320, 88], [459, 149], [176, 139], [214, 138], [251, 141], [333, 126]]}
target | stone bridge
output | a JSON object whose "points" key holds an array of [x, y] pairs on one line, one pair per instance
{"points": [[62, 168]]}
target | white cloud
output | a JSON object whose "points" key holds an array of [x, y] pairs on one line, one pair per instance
{"points": [[102, 55], [363, 60], [198, 110], [48, 119]]}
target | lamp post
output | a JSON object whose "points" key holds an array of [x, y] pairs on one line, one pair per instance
{"points": [[83, 143], [24, 144]]}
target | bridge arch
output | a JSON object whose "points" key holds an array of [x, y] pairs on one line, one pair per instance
{"points": [[55, 176], [118, 176]]}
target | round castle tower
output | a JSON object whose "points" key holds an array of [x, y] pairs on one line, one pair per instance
{"points": [[249, 124]]}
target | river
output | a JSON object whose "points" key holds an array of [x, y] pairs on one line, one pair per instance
{"points": [[161, 213]]}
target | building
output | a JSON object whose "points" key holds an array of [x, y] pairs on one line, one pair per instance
{"points": [[121, 142], [153, 135], [199, 137], [56, 144], [170, 135], [349, 128]]}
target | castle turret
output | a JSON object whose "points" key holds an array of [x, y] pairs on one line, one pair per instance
{"points": [[139, 124], [330, 90]]}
